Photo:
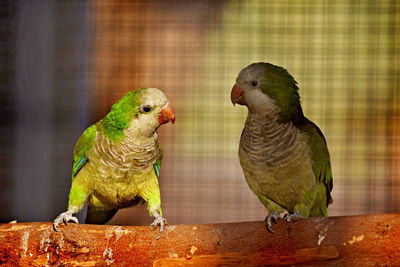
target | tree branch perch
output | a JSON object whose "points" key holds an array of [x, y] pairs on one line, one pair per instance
{"points": [[345, 241]]}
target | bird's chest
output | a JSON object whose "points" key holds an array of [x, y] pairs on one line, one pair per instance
{"points": [[267, 143], [120, 160], [274, 157]]}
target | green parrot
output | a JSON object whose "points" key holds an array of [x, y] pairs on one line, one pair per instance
{"points": [[117, 161], [283, 155]]}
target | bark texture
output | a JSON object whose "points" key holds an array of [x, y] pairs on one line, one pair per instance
{"points": [[367, 240]]}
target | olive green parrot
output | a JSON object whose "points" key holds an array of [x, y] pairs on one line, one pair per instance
{"points": [[117, 161], [284, 156]]}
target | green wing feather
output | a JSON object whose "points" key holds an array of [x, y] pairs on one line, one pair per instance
{"points": [[157, 164], [82, 148], [325, 171], [320, 156]]}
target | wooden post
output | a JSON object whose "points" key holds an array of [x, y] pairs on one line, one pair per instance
{"points": [[343, 241]]}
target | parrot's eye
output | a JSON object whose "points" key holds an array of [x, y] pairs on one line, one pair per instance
{"points": [[254, 83], [146, 108]]}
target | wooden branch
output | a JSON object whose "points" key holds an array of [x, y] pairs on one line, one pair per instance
{"points": [[343, 241]]}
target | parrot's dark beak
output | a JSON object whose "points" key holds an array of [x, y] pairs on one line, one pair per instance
{"points": [[166, 114], [237, 95]]}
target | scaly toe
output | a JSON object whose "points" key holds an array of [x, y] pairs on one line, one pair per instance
{"points": [[64, 217], [159, 221], [289, 217]]}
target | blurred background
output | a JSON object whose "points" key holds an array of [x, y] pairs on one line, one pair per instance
{"points": [[64, 63]]}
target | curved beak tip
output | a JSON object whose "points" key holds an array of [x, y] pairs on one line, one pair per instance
{"points": [[237, 95], [166, 114]]}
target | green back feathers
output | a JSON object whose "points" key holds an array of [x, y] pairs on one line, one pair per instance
{"points": [[282, 87], [82, 148], [118, 119], [320, 155]]}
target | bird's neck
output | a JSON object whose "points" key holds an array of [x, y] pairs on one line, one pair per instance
{"points": [[267, 126], [140, 133]]}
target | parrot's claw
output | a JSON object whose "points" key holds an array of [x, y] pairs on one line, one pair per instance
{"points": [[64, 217], [288, 217], [159, 221], [272, 217]]}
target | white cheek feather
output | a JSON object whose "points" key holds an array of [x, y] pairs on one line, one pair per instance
{"points": [[257, 100], [144, 126]]}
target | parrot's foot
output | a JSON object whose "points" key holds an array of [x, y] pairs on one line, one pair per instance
{"points": [[272, 217], [158, 221], [289, 217], [64, 217]]}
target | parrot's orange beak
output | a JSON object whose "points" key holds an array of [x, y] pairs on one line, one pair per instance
{"points": [[237, 95], [166, 114]]}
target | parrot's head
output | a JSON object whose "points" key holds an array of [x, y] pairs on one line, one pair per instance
{"points": [[153, 109], [265, 88], [145, 109]]}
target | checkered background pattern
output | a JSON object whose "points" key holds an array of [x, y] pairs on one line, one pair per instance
{"points": [[344, 54]]}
